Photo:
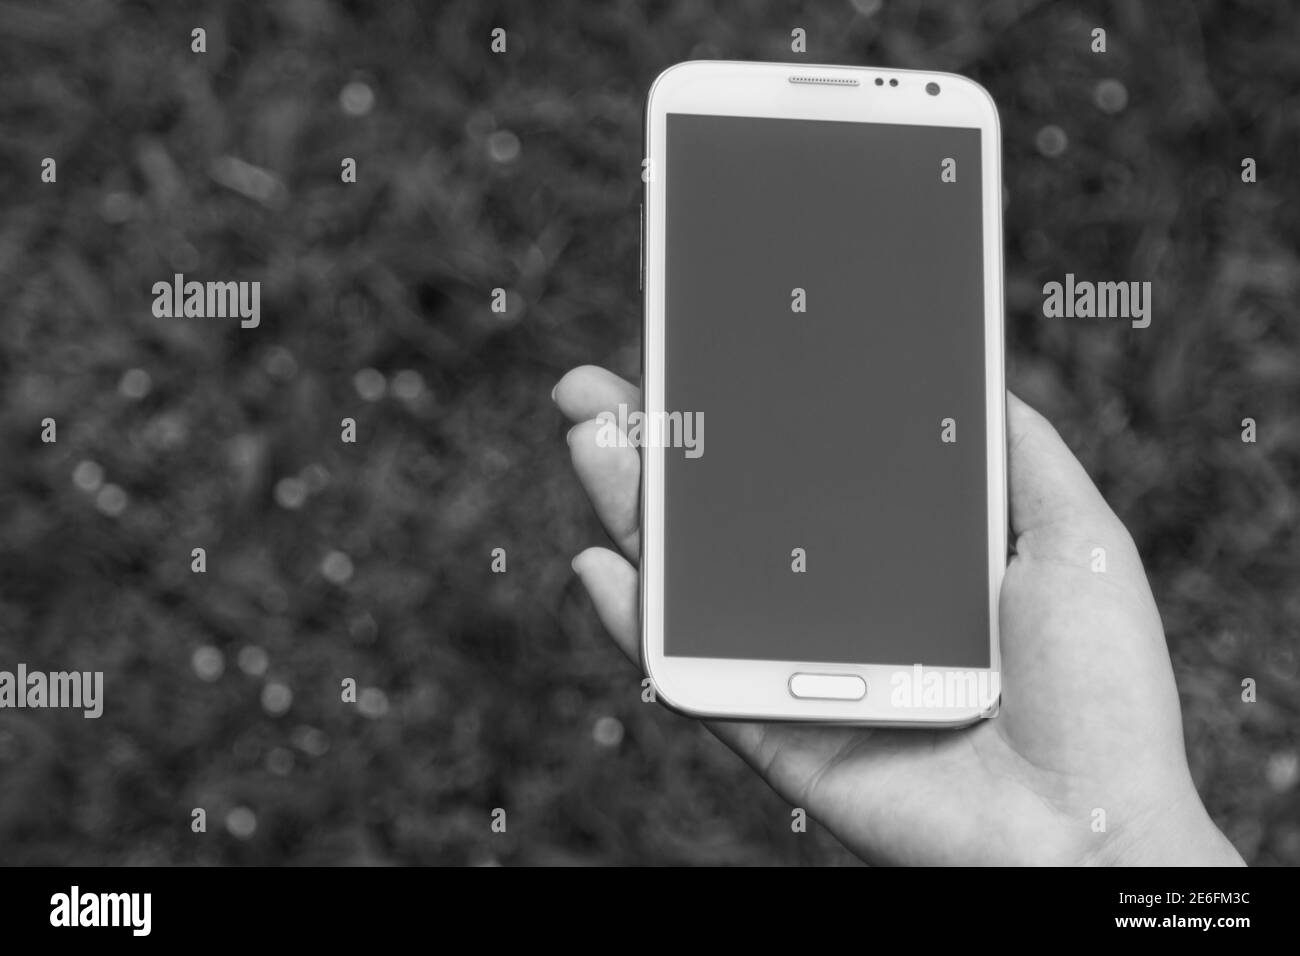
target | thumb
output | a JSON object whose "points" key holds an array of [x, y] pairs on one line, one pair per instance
{"points": [[1054, 504]]}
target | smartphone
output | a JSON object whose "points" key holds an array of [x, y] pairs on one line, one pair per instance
{"points": [[822, 276]]}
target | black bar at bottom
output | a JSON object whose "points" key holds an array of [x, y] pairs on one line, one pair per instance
{"points": [[340, 907]]}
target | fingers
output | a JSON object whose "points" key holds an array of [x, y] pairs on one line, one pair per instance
{"points": [[609, 471], [611, 474], [588, 390], [1052, 499], [612, 584]]}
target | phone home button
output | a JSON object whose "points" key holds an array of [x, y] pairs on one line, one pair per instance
{"points": [[828, 686]]}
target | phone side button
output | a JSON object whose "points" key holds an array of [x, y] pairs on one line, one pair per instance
{"points": [[828, 686]]}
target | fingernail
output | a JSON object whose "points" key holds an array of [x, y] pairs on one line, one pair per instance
{"points": [[568, 437], [574, 564], [553, 391]]}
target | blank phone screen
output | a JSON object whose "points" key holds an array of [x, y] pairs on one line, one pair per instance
{"points": [[825, 326]]}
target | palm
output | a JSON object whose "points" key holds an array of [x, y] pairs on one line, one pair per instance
{"points": [[1018, 788]]}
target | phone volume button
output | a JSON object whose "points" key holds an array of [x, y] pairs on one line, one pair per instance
{"points": [[640, 236]]}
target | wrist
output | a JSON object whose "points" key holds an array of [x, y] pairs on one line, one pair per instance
{"points": [[1169, 833]]}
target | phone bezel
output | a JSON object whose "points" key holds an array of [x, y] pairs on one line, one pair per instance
{"points": [[758, 689]]}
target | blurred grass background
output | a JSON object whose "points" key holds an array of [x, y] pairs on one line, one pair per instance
{"points": [[372, 561]]}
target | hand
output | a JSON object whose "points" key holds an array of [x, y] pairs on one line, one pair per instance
{"points": [[1089, 718]]}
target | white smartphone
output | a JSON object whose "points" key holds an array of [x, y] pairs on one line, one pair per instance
{"points": [[822, 270]]}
